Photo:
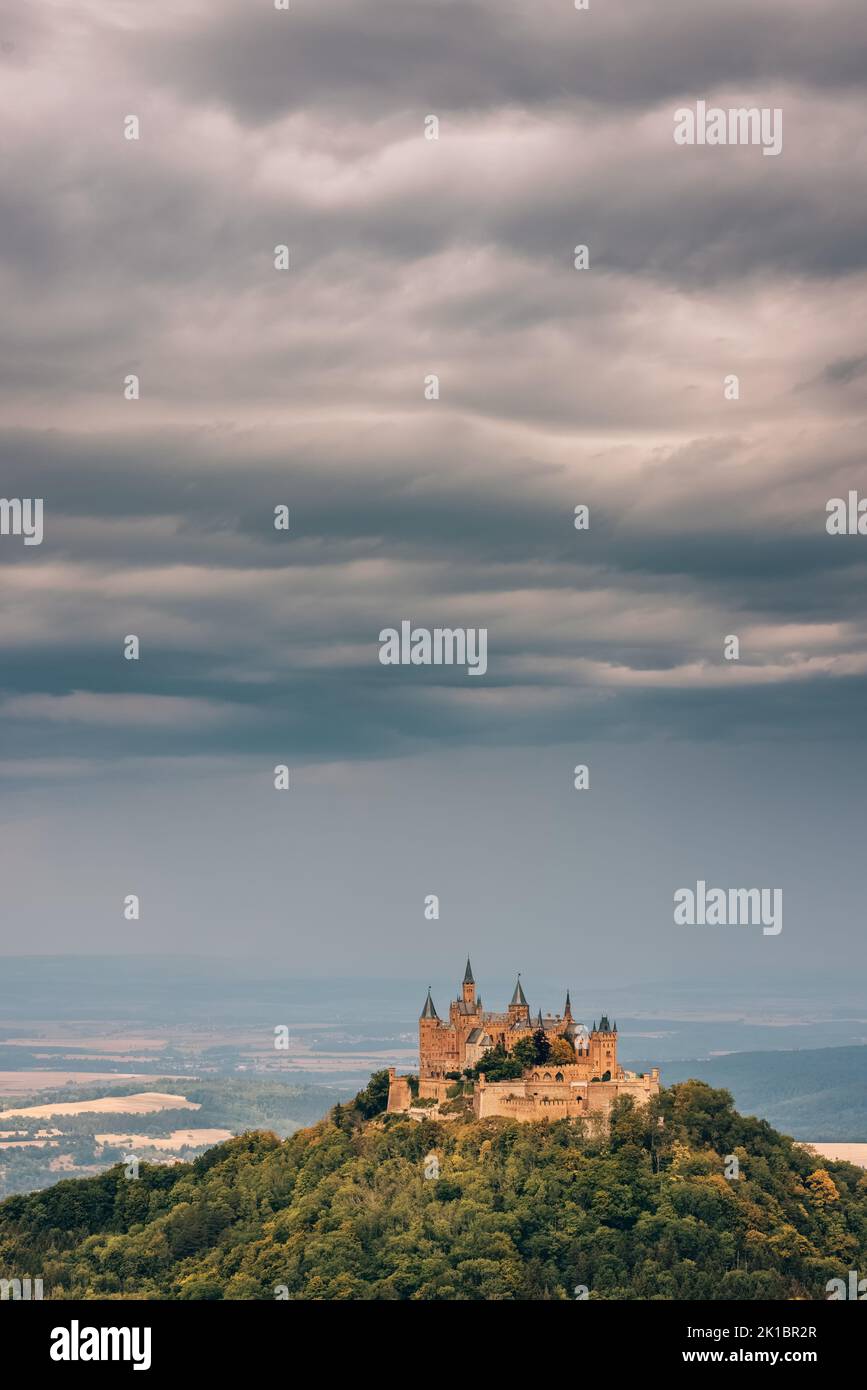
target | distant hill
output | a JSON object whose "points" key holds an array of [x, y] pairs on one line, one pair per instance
{"points": [[817, 1094], [373, 1207]]}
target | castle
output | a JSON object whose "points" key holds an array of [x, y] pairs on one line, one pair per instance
{"points": [[581, 1077]]}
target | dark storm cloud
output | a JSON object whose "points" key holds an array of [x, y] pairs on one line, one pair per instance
{"points": [[846, 370], [465, 55], [411, 257], [273, 640]]}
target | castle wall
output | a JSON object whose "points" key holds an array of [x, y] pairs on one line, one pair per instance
{"points": [[582, 1069], [432, 1088], [399, 1094], [473, 1053], [529, 1100]]}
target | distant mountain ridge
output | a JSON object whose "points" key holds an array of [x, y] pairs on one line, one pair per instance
{"points": [[814, 1094]]}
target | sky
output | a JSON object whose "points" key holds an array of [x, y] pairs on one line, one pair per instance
{"points": [[305, 388]]}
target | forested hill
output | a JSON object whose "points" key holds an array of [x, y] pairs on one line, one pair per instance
{"points": [[344, 1210]]}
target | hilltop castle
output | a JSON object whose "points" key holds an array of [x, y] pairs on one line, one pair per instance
{"points": [[581, 1078]]}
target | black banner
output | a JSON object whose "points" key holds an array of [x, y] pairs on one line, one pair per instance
{"points": [[81, 1339]]}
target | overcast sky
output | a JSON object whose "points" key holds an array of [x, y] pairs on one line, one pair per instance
{"points": [[410, 257]]}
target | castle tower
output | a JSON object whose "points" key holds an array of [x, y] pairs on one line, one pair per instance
{"points": [[469, 986], [519, 1009], [603, 1048], [428, 1027]]}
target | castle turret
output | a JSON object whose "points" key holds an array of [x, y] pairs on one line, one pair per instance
{"points": [[603, 1048], [519, 1009], [469, 986], [429, 1039]]}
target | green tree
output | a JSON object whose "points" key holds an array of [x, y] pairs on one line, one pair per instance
{"points": [[498, 1065], [518, 1212], [374, 1098], [524, 1052]]}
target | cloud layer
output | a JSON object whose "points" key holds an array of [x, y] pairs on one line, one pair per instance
{"points": [[411, 257]]}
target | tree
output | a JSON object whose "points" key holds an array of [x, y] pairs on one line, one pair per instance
{"points": [[520, 1212], [541, 1047], [822, 1188], [561, 1051], [498, 1065], [524, 1052], [374, 1098]]}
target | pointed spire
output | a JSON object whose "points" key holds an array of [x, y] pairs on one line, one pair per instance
{"points": [[567, 1012], [468, 974], [539, 1023], [429, 1011], [594, 1025], [518, 996]]}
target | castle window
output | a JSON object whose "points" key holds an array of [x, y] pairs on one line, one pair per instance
{"points": [[559, 1076], [547, 1076]]}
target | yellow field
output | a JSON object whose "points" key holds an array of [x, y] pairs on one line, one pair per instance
{"points": [[143, 1103], [851, 1153], [175, 1140]]}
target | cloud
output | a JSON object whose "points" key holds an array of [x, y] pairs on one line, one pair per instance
{"points": [[410, 257], [471, 54], [87, 707], [846, 369]]}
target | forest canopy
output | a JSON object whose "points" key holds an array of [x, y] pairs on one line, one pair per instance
{"points": [[354, 1208]]}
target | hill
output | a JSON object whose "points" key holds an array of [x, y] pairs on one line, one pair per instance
{"points": [[813, 1094], [344, 1210]]}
